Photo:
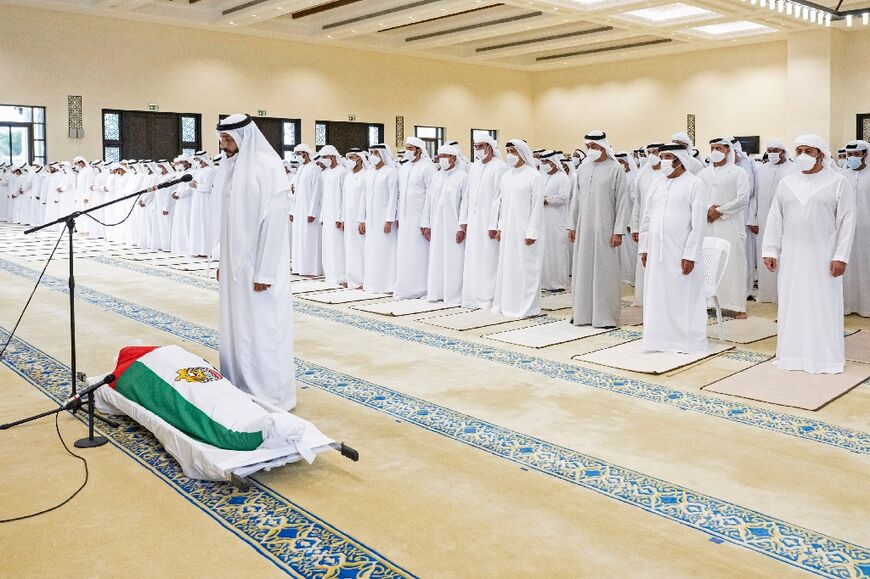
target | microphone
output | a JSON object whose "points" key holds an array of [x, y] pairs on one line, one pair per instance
{"points": [[183, 179], [75, 401]]}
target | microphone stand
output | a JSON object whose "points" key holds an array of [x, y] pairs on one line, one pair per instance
{"points": [[69, 222]]}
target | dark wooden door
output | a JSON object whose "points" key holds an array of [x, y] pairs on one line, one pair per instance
{"points": [[149, 135], [344, 136], [862, 128]]}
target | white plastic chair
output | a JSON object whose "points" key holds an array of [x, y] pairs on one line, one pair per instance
{"points": [[716, 254]]}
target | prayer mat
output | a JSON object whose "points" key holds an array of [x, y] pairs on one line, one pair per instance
{"points": [[470, 320], [195, 266], [545, 335], [344, 296], [858, 347], [767, 383], [301, 287], [631, 316], [744, 331], [557, 301], [631, 357], [404, 307]]}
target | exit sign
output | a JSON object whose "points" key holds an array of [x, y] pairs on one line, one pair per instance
{"points": [[153, 107], [261, 113], [351, 118]]}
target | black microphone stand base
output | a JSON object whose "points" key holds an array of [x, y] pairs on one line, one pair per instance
{"points": [[91, 442]]}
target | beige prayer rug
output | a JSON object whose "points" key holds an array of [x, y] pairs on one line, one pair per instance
{"points": [[312, 285], [470, 320], [404, 307], [345, 296], [858, 347], [767, 383], [557, 301], [631, 316], [545, 335], [744, 331], [631, 357]]}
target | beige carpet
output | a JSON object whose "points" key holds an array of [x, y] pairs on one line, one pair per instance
{"points": [[744, 331], [404, 307], [631, 357], [858, 347], [558, 301], [545, 335], [631, 316], [469, 320], [766, 383], [306, 286], [342, 296]]}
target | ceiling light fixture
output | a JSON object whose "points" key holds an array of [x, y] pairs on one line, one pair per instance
{"points": [[811, 12]]}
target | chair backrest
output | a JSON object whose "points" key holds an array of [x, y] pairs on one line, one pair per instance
{"points": [[716, 254]]}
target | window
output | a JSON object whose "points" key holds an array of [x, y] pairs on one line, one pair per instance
{"points": [[292, 136], [432, 136], [22, 134], [376, 134], [477, 133], [150, 135]]}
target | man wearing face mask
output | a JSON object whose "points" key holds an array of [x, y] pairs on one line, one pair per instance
{"points": [[479, 219], [598, 222], [856, 282], [628, 249], [557, 195], [727, 189], [743, 161], [412, 252], [308, 192], [767, 178], [807, 240], [694, 166], [332, 217], [640, 192], [841, 159], [377, 221], [672, 251], [520, 224], [440, 225], [354, 195]]}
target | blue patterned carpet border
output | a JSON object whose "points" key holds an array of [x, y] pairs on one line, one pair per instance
{"points": [[804, 428], [295, 540]]}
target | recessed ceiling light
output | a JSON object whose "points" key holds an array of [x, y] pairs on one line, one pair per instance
{"points": [[668, 13], [732, 28]]}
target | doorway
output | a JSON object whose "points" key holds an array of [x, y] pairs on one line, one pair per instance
{"points": [[345, 135]]}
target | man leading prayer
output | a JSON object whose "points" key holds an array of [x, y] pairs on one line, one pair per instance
{"points": [[256, 308]]}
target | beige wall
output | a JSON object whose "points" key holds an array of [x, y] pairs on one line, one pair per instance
{"points": [[127, 65], [814, 81]]}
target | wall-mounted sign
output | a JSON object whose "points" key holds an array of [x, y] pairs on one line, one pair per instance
{"points": [[261, 113], [153, 107], [351, 118]]}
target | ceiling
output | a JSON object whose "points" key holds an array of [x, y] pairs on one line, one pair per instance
{"points": [[521, 34]]}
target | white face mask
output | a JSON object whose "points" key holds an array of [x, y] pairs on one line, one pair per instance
{"points": [[596, 154], [348, 164], [511, 160], [444, 164], [408, 155], [298, 157], [805, 162], [376, 158], [773, 158], [667, 167], [717, 156], [843, 163], [654, 160], [479, 154], [326, 162]]}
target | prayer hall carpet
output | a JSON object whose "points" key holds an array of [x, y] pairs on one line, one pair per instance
{"points": [[468, 451]]}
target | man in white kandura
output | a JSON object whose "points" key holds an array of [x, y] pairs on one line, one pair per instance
{"points": [[557, 194], [332, 216], [412, 250], [479, 220], [641, 189], [856, 282], [256, 307], [694, 166], [727, 188], [671, 249], [520, 225], [377, 221], [767, 178], [598, 221], [440, 226], [308, 193], [201, 205], [807, 239], [354, 197]]}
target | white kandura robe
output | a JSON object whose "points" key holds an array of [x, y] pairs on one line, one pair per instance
{"points": [[164, 212], [446, 257], [811, 223], [256, 328], [412, 251], [84, 180], [748, 165], [182, 217], [201, 207], [354, 243], [379, 208], [767, 178], [557, 194], [728, 187], [856, 282], [479, 213], [675, 310], [641, 189], [308, 188], [146, 219], [521, 217], [98, 197], [332, 212], [599, 213], [628, 249]]}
